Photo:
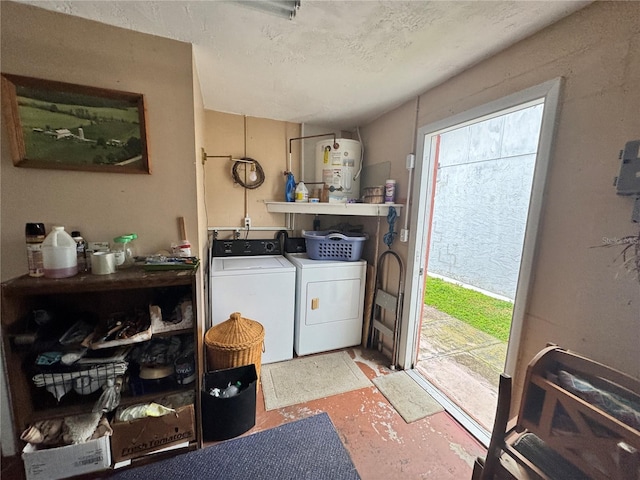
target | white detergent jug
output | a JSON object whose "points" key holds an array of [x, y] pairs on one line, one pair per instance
{"points": [[59, 254], [302, 193]]}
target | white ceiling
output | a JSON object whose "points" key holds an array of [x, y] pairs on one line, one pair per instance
{"points": [[338, 63]]}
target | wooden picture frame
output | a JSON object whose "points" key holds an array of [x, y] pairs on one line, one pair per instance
{"points": [[64, 126]]}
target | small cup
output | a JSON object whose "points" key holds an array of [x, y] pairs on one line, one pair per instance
{"points": [[103, 263]]}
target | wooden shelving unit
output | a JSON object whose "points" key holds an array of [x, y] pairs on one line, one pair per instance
{"points": [[99, 295]]}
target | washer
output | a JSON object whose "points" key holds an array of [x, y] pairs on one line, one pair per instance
{"points": [[329, 303], [253, 278]]}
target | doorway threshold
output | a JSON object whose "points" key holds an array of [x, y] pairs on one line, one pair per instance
{"points": [[474, 428]]}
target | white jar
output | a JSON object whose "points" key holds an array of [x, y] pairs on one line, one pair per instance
{"points": [[59, 254]]}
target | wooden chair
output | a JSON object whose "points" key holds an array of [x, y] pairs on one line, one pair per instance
{"points": [[582, 414]]}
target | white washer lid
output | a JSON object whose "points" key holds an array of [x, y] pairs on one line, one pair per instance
{"points": [[255, 264]]}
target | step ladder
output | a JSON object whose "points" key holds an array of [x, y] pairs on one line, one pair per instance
{"points": [[385, 301]]}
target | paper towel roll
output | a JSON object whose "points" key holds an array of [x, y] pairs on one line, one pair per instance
{"points": [[103, 263]]}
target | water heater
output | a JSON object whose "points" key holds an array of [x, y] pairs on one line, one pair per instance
{"points": [[339, 166]]}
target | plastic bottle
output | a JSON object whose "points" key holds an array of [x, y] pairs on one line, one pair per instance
{"points": [[59, 254], [81, 249], [302, 193], [123, 253], [35, 235], [290, 188], [132, 245], [231, 390]]}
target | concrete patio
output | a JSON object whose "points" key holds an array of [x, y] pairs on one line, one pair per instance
{"points": [[463, 362]]}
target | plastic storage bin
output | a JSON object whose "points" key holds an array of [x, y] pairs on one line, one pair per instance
{"points": [[224, 418], [334, 246]]}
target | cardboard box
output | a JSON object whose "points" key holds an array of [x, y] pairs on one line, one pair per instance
{"points": [[146, 435], [67, 461]]}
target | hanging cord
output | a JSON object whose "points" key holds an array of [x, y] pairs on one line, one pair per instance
{"points": [[391, 220], [259, 173]]}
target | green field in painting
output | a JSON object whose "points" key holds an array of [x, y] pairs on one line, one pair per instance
{"points": [[104, 124], [67, 150], [129, 114], [38, 118]]}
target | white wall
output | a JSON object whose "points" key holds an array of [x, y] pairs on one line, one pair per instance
{"points": [[483, 186], [49, 45], [580, 298], [264, 140]]}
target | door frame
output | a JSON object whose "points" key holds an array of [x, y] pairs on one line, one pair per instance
{"points": [[421, 215]]}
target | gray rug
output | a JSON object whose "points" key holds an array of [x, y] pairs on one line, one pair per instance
{"points": [[310, 378], [307, 449], [409, 399]]}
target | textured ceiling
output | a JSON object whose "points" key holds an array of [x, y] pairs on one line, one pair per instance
{"points": [[339, 63]]}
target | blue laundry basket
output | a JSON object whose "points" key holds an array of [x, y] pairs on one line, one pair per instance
{"points": [[328, 245]]}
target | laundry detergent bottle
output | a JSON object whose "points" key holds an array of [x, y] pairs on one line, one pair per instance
{"points": [[302, 193], [290, 188], [59, 254]]}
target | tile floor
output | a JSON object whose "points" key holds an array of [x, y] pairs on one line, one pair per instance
{"points": [[381, 444]]}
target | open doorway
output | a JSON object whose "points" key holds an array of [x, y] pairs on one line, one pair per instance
{"points": [[483, 186], [479, 183]]}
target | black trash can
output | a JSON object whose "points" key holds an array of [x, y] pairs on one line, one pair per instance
{"points": [[224, 418]]}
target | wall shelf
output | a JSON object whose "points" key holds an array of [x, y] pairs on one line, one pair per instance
{"points": [[361, 209]]}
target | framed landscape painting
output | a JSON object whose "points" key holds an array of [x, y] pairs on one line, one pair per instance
{"points": [[64, 126]]}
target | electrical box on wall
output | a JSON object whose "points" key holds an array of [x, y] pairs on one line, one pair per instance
{"points": [[628, 180]]}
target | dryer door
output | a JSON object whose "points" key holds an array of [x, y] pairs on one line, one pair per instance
{"points": [[332, 301]]}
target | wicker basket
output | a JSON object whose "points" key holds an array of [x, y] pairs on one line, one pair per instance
{"points": [[234, 343]]}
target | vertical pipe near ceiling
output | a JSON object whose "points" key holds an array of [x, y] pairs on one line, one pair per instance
{"points": [[411, 170], [246, 191]]}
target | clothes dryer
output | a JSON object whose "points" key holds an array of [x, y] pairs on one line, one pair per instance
{"points": [[329, 303]]}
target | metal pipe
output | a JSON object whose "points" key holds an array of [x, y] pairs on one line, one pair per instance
{"points": [[335, 144], [233, 229], [406, 214], [355, 177], [228, 157], [411, 170]]}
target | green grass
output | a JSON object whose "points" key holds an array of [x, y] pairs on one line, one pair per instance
{"points": [[485, 313]]}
